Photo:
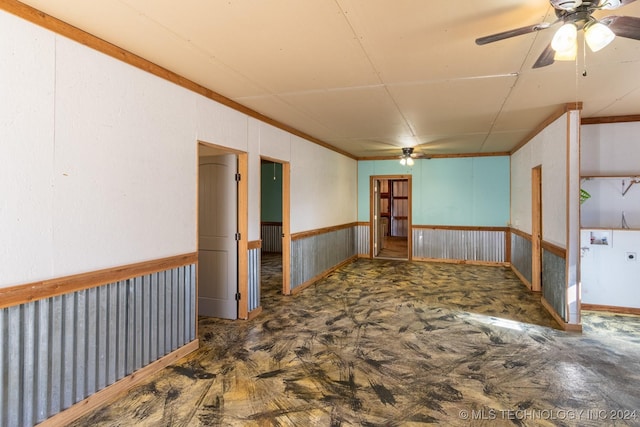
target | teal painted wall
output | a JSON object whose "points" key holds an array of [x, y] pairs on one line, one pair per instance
{"points": [[467, 191], [271, 192]]}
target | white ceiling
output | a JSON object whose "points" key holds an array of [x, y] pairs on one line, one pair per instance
{"points": [[370, 76]]}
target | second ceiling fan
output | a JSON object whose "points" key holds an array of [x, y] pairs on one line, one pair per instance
{"points": [[575, 15]]}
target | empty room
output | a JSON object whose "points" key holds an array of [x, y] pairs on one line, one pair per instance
{"points": [[330, 212]]}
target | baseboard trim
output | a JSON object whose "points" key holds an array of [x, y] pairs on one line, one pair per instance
{"points": [[463, 261], [110, 392], [569, 327], [612, 309], [254, 313], [521, 277], [322, 275]]}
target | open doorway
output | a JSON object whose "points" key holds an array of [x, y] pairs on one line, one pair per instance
{"points": [[274, 229], [391, 225]]}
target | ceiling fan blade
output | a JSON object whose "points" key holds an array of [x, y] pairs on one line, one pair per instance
{"points": [[623, 26], [512, 33], [545, 58]]}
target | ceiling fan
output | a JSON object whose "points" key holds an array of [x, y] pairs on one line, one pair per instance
{"points": [[408, 155], [576, 15]]}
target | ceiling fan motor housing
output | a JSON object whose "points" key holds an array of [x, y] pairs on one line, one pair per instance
{"points": [[571, 5]]}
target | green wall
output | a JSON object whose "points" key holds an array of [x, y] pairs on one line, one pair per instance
{"points": [[271, 192], [467, 191]]}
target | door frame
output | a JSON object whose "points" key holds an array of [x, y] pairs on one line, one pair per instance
{"points": [[373, 221], [286, 222], [536, 228], [242, 211]]}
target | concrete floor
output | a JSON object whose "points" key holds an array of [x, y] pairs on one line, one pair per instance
{"points": [[391, 343]]}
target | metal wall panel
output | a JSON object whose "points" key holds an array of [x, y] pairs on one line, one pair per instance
{"points": [[271, 237], [254, 279], [363, 241], [521, 255], [468, 245], [554, 282], [314, 255], [57, 351]]}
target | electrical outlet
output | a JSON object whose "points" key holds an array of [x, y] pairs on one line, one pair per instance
{"points": [[631, 256]]}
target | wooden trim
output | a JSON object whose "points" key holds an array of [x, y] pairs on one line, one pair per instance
{"points": [[34, 291], [254, 313], [363, 223], [610, 228], [563, 109], [554, 249], [254, 244], [110, 392], [62, 28], [463, 261], [410, 219], [522, 234], [322, 275], [630, 176], [461, 227], [609, 119], [310, 233], [612, 309], [536, 228], [438, 156], [507, 245], [570, 327], [572, 212], [286, 228], [243, 229], [521, 277]]}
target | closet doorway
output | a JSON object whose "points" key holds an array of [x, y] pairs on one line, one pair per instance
{"points": [[274, 230], [391, 213]]}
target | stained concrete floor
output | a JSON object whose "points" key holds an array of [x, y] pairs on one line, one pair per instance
{"points": [[393, 343]]}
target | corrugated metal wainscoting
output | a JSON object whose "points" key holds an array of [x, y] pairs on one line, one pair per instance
{"points": [[469, 245], [57, 351], [554, 282], [254, 279], [521, 255], [363, 239], [271, 235], [313, 255]]}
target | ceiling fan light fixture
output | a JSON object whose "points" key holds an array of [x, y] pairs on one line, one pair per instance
{"points": [[406, 158], [609, 4], [566, 55], [598, 36], [564, 40]]}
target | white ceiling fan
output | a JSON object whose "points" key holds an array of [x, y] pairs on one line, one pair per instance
{"points": [[576, 15]]}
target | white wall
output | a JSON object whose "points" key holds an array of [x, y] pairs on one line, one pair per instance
{"points": [[549, 149], [611, 149], [323, 187], [124, 173], [27, 63], [98, 161], [608, 277]]}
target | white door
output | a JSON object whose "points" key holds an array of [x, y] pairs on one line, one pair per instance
{"points": [[217, 245]]}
